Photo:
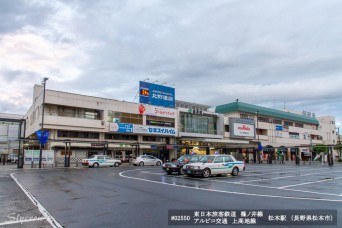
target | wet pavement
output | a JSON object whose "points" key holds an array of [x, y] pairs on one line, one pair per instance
{"points": [[17, 210], [142, 196]]}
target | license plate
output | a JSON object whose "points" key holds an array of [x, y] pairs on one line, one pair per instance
{"points": [[167, 169], [189, 171]]}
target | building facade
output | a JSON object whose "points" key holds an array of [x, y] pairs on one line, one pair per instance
{"points": [[86, 125], [279, 132], [80, 126]]}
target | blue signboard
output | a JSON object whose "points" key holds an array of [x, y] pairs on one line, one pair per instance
{"points": [[279, 128], [121, 127], [42, 136], [157, 95]]}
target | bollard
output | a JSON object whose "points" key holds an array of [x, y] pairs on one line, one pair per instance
{"points": [[76, 163], [32, 164]]}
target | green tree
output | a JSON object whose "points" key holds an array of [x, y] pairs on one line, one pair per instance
{"points": [[320, 148]]}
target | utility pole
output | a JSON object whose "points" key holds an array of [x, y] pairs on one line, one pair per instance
{"points": [[42, 127], [257, 132]]}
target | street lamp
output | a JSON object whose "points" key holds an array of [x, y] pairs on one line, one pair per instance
{"points": [[42, 127]]}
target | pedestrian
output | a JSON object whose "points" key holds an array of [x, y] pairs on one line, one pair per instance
{"points": [[130, 159]]}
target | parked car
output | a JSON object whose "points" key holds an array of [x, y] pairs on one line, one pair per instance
{"points": [[100, 160], [146, 160], [177, 165], [12, 158], [215, 165]]}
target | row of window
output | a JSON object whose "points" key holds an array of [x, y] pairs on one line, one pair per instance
{"points": [[271, 120], [122, 117], [78, 134], [79, 113], [120, 137]]}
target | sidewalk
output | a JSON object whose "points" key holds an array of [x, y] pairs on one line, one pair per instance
{"points": [[10, 167]]}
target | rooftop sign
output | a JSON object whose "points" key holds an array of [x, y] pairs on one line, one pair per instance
{"points": [[157, 95]]}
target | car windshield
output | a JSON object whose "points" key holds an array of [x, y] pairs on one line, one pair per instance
{"points": [[183, 158], [91, 157], [208, 159]]}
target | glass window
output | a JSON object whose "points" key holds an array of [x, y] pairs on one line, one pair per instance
{"points": [[293, 135], [276, 121], [219, 159], [228, 159], [207, 158], [264, 119], [194, 123], [78, 113], [299, 125], [123, 117], [287, 123], [100, 157]]}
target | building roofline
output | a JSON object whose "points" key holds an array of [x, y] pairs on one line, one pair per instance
{"points": [[249, 108]]}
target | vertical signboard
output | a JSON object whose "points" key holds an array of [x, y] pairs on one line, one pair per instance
{"points": [[157, 95]]}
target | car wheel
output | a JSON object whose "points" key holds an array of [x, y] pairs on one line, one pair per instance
{"points": [[141, 164], [206, 173], [235, 171], [181, 171], [116, 164], [158, 163], [95, 165]]}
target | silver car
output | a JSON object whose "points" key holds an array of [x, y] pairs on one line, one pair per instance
{"points": [[147, 160]]}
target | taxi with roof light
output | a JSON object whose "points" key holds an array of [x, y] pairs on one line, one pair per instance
{"points": [[100, 161], [214, 165]]}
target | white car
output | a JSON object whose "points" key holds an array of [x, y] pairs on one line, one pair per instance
{"points": [[147, 160], [214, 165], [100, 160]]}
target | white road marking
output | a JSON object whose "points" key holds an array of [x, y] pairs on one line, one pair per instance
{"points": [[152, 173], [311, 182], [227, 192], [53, 222], [262, 186], [300, 175], [21, 221]]}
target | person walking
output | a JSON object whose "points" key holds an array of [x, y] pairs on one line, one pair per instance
{"points": [[130, 159]]}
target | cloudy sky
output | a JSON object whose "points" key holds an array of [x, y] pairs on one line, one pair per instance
{"points": [[265, 52]]}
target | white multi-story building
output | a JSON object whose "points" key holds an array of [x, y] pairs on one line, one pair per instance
{"points": [[85, 125], [82, 125], [277, 131]]}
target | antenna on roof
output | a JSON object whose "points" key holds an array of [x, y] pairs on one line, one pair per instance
{"points": [[237, 100]]}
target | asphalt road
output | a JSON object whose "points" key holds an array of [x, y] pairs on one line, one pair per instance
{"points": [[143, 196]]}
